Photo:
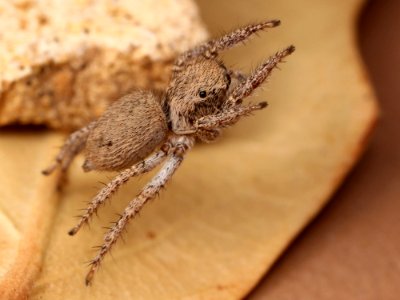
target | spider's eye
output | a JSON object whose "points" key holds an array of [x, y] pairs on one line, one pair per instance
{"points": [[202, 94]]}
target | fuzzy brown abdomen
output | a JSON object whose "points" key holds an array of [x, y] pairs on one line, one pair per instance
{"points": [[129, 130]]}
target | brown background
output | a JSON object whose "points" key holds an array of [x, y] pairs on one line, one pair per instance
{"points": [[352, 249]]}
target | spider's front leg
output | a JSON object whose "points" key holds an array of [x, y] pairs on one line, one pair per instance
{"points": [[180, 145], [211, 48], [259, 75], [72, 146], [233, 110]]}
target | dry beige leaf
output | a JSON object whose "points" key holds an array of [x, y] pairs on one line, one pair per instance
{"points": [[27, 206], [234, 206]]}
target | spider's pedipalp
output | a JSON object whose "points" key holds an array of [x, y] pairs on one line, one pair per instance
{"points": [[72, 146], [181, 144], [260, 74], [228, 117], [107, 191], [211, 48]]}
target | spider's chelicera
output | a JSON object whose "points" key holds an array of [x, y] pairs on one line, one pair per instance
{"points": [[143, 129]]}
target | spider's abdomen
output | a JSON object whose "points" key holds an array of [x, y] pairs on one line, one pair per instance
{"points": [[130, 129]]}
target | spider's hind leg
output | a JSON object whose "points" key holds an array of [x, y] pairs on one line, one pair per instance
{"points": [[180, 145], [106, 192], [72, 146]]}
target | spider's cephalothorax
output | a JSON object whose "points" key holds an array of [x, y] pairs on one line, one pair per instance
{"points": [[196, 90], [143, 129]]}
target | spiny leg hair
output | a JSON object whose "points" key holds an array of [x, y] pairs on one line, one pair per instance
{"points": [[211, 48], [72, 146], [106, 192], [180, 145]]}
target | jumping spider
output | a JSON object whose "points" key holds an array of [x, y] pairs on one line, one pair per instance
{"points": [[142, 129]]}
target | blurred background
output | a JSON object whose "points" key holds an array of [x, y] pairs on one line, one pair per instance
{"points": [[352, 249]]}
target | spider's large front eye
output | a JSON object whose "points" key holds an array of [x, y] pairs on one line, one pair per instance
{"points": [[202, 94]]}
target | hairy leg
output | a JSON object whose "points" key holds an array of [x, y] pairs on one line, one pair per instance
{"points": [[227, 117], [106, 192], [260, 74], [211, 48], [181, 144], [72, 146]]}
